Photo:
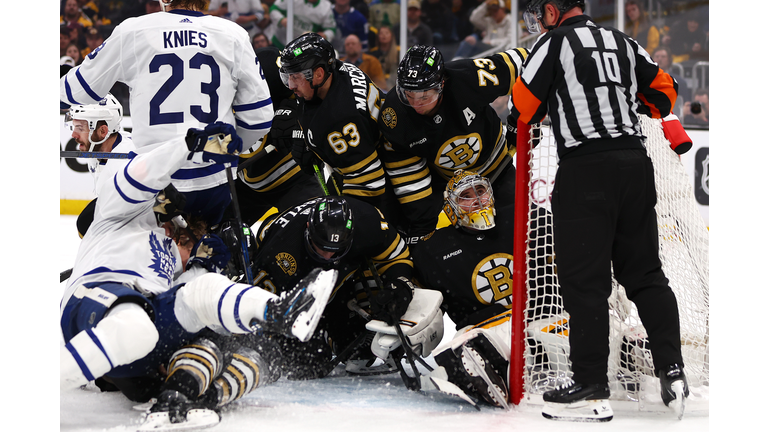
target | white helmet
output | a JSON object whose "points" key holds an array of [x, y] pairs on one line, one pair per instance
{"points": [[469, 201], [108, 110]]}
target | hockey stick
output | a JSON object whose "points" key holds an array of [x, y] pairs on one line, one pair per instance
{"points": [[239, 221], [65, 275], [108, 155]]}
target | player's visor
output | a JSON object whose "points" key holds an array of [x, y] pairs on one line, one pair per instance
{"points": [[420, 98], [532, 21], [293, 79]]}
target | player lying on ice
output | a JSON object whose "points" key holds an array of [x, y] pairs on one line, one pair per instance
{"points": [[125, 313]]}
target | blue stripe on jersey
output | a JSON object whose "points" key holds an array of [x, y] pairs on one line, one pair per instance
{"points": [[237, 308], [252, 106], [135, 183], [244, 125], [109, 270], [71, 99], [193, 173], [97, 342], [86, 87], [221, 300], [79, 360]]}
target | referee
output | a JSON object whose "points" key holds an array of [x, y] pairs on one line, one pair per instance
{"points": [[593, 82]]}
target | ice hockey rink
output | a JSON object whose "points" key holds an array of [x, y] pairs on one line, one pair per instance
{"points": [[339, 403]]}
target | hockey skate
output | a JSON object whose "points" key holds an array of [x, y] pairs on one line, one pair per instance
{"points": [[674, 388], [578, 402], [297, 312], [175, 412], [473, 368]]}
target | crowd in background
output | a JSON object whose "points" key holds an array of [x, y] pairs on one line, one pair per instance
{"points": [[367, 32]]}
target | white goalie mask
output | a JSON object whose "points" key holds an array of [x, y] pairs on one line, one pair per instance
{"points": [[469, 201], [108, 110]]}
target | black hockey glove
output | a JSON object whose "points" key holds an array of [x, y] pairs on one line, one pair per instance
{"points": [[169, 203], [391, 302], [285, 125], [511, 131], [211, 253], [305, 158], [217, 143]]}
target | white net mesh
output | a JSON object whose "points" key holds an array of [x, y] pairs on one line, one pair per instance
{"points": [[684, 250]]}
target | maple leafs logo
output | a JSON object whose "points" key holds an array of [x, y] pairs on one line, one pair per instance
{"points": [[163, 261]]}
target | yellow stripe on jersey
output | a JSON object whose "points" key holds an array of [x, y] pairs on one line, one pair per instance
{"points": [[359, 165]]}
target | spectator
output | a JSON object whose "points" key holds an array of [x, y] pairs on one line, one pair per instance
{"points": [[73, 14], [384, 13], [93, 39], [349, 21], [663, 57], [315, 16], [64, 40], [73, 51], [260, 40], [366, 62], [639, 27], [249, 14], [388, 53], [461, 10], [688, 40], [151, 6], [418, 32], [76, 33], [437, 15], [697, 111], [90, 8], [492, 21]]}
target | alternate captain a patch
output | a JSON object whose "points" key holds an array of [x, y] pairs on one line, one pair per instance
{"points": [[286, 262], [389, 117]]}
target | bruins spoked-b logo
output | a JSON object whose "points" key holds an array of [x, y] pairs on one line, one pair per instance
{"points": [[460, 151], [286, 262], [492, 280], [389, 117]]}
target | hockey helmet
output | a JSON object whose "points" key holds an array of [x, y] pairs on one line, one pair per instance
{"points": [[108, 110], [421, 70], [227, 232], [305, 54], [534, 12], [469, 201], [330, 227]]}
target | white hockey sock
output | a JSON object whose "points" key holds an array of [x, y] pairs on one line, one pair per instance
{"points": [[214, 301]]}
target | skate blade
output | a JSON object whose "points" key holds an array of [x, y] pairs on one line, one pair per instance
{"points": [[678, 404], [499, 398], [320, 289], [196, 419], [452, 389], [592, 411]]}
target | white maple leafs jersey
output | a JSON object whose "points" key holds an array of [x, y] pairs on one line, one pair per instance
{"points": [[184, 70], [125, 244], [123, 144]]}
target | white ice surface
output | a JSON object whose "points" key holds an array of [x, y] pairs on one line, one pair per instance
{"points": [[340, 403]]}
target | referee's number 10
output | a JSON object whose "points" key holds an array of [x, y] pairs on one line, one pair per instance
{"points": [[607, 66]]}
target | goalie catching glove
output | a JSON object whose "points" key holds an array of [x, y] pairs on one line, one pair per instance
{"points": [[678, 139], [211, 253], [217, 143]]}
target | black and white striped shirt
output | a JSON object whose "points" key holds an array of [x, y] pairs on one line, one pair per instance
{"points": [[592, 81]]}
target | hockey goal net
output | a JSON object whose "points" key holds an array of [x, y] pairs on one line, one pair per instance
{"points": [[539, 357]]}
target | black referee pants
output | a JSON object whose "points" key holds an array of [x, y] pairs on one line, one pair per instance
{"points": [[603, 214]]}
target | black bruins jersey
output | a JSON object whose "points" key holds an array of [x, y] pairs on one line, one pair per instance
{"points": [[276, 178], [465, 133], [282, 259], [474, 269], [342, 130]]}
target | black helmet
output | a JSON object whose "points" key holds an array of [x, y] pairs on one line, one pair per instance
{"points": [[305, 54], [228, 234], [330, 228], [535, 11], [421, 69]]}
